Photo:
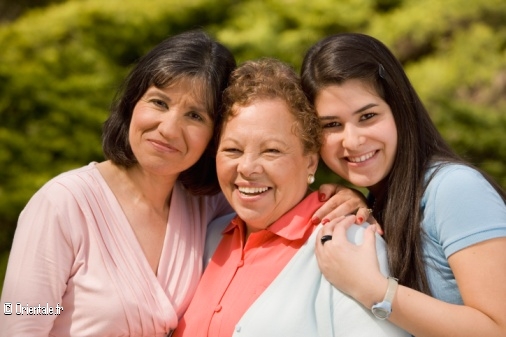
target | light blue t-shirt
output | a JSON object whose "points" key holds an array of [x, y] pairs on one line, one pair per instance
{"points": [[460, 208]]}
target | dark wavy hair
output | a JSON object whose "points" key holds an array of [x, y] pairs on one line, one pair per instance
{"points": [[191, 55], [268, 78], [341, 57]]}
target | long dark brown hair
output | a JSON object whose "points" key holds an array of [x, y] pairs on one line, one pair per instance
{"points": [[341, 57]]}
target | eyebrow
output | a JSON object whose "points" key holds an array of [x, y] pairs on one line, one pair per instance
{"points": [[193, 106], [362, 109], [368, 106]]}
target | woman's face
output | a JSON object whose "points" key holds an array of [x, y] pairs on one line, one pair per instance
{"points": [[170, 128], [360, 136], [261, 165]]}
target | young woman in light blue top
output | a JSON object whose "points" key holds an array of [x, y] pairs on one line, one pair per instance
{"points": [[444, 221]]}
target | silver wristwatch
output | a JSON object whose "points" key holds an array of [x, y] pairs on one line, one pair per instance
{"points": [[383, 309]]}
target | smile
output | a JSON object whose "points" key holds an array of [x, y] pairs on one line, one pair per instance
{"points": [[252, 190], [162, 146], [361, 158]]}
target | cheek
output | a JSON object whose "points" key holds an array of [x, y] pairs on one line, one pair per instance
{"points": [[200, 138], [221, 167], [141, 119], [226, 171], [329, 147], [391, 139]]}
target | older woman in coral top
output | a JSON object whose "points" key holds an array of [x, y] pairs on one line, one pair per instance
{"points": [[263, 279]]}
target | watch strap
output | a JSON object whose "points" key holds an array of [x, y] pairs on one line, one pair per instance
{"points": [[393, 283], [383, 309]]}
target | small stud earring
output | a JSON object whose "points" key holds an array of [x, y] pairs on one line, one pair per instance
{"points": [[310, 178]]}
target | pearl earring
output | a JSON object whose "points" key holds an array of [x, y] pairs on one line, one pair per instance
{"points": [[310, 178]]}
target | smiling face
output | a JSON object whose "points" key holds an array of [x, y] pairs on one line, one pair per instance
{"points": [[170, 128], [360, 136], [261, 164]]}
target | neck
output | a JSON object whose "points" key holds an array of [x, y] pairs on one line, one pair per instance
{"points": [[143, 187]]}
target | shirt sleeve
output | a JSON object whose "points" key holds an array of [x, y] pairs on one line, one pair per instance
{"points": [[463, 209], [39, 266]]}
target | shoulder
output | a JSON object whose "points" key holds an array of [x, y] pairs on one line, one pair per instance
{"points": [[56, 209], [64, 186], [461, 208], [458, 183], [455, 176]]}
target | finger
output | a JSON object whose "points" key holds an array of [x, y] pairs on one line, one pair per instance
{"points": [[370, 236], [338, 205], [378, 228], [326, 191], [328, 227], [363, 214], [328, 232], [372, 221], [340, 228], [318, 242]]}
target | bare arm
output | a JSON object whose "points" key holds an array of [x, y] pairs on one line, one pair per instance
{"points": [[480, 272]]}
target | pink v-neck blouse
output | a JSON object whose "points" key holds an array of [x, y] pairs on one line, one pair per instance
{"points": [[74, 253]]}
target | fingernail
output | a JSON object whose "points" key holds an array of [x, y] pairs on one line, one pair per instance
{"points": [[324, 221], [321, 196], [360, 219], [315, 220]]}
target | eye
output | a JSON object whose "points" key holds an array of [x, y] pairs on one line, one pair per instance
{"points": [[272, 151], [196, 116], [159, 103], [367, 116], [331, 125], [231, 150]]}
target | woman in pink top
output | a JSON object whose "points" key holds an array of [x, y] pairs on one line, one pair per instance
{"points": [[115, 248]]}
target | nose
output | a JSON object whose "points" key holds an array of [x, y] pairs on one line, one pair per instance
{"points": [[169, 125], [249, 165], [352, 137]]}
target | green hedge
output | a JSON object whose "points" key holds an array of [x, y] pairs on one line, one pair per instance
{"points": [[60, 67]]}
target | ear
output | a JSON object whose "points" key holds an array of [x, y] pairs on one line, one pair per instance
{"points": [[312, 162]]}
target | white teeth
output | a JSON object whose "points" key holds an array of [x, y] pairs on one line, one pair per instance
{"points": [[361, 158], [252, 190]]}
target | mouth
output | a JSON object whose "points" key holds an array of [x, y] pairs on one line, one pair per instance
{"points": [[252, 191], [361, 158], [163, 146]]}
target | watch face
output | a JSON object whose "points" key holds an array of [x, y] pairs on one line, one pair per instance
{"points": [[382, 310], [380, 313]]}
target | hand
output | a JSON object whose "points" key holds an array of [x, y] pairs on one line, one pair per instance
{"points": [[353, 269], [343, 201]]}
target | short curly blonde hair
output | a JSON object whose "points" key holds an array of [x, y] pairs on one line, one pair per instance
{"points": [[268, 78]]}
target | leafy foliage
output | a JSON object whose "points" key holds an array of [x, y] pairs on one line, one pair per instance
{"points": [[60, 67]]}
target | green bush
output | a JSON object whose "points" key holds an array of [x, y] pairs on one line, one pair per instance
{"points": [[60, 67]]}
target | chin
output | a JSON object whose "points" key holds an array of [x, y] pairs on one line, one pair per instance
{"points": [[362, 182]]}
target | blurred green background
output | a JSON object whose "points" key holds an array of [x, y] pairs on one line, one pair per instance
{"points": [[61, 62]]}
